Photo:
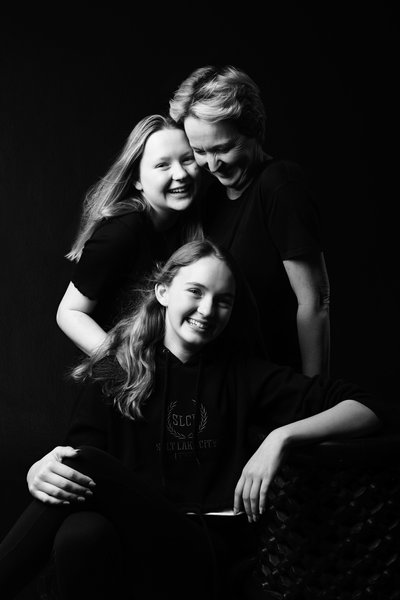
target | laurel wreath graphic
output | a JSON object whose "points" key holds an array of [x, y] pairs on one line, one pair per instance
{"points": [[182, 436]]}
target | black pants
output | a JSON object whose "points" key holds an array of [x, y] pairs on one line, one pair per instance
{"points": [[127, 542]]}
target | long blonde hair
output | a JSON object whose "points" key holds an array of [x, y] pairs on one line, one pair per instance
{"points": [[115, 193], [133, 341]]}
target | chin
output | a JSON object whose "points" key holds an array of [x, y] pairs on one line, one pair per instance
{"points": [[183, 204]]}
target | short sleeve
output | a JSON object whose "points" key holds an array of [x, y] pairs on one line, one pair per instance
{"points": [[292, 215], [114, 243]]}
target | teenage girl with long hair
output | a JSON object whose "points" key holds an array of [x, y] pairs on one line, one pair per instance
{"points": [[158, 484], [138, 213]]}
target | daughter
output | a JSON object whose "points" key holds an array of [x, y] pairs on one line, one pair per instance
{"points": [[157, 486]]}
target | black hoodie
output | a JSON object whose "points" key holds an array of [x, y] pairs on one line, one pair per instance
{"points": [[195, 435]]}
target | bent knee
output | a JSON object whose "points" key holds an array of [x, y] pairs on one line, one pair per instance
{"points": [[83, 532]]}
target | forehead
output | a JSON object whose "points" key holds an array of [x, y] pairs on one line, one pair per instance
{"points": [[166, 142], [206, 135], [210, 272]]}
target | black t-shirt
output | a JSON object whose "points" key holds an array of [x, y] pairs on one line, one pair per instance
{"points": [[120, 253], [273, 220]]}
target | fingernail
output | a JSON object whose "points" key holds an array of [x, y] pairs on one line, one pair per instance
{"points": [[81, 499], [92, 484], [88, 493], [65, 502]]}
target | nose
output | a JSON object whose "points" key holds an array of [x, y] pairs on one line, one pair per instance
{"points": [[213, 162], [205, 306], [178, 172]]}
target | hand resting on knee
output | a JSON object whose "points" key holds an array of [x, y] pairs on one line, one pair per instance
{"points": [[52, 482]]}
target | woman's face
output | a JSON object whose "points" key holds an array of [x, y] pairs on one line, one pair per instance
{"points": [[168, 173], [222, 150], [198, 304]]}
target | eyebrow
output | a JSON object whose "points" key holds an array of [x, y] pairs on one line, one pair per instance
{"points": [[216, 147]]}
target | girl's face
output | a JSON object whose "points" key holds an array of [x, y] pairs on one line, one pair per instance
{"points": [[198, 304], [168, 174], [222, 150]]}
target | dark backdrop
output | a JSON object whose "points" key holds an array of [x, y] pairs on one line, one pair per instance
{"points": [[72, 88]]}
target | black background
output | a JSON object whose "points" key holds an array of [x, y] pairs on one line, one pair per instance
{"points": [[73, 86]]}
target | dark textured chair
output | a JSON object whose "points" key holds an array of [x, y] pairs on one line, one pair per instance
{"points": [[332, 527]]}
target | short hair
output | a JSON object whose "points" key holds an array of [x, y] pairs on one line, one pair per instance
{"points": [[219, 94]]}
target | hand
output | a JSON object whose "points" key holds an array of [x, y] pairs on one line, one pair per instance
{"points": [[52, 482], [252, 487]]}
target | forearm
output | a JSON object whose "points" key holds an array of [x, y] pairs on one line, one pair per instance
{"points": [[347, 419], [86, 334], [313, 328]]}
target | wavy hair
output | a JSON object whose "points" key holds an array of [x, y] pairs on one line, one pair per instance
{"points": [[115, 193], [217, 94], [133, 340]]}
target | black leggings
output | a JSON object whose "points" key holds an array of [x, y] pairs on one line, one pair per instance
{"points": [[127, 542]]}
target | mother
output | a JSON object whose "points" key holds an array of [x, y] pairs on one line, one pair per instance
{"points": [[261, 210]]}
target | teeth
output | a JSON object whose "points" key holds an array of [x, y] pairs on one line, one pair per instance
{"points": [[178, 190], [197, 324]]}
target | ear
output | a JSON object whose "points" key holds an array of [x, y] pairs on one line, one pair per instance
{"points": [[161, 291], [138, 186]]}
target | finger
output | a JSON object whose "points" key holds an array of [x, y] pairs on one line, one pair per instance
{"points": [[43, 497], [237, 502], [67, 485], [65, 452], [58, 493], [246, 498], [72, 475], [263, 496], [255, 499]]}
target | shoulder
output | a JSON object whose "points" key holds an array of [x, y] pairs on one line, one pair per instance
{"points": [[121, 227], [115, 235]]}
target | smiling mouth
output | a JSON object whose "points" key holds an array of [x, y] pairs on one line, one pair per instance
{"points": [[199, 325], [183, 189]]}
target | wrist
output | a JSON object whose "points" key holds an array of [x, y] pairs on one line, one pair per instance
{"points": [[283, 436]]}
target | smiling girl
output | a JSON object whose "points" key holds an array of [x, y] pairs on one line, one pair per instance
{"points": [[138, 213], [158, 484]]}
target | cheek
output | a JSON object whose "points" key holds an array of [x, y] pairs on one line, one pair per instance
{"points": [[224, 318], [194, 170], [200, 160]]}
